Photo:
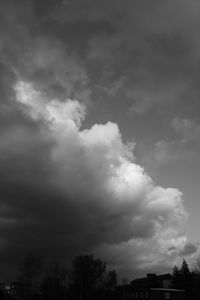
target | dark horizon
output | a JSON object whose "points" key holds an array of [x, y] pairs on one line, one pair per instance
{"points": [[89, 278]]}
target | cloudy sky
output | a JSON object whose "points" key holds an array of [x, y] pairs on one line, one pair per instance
{"points": [[99, 132]]}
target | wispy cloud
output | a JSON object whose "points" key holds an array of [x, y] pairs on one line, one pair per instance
{"points": [[187, 128]]}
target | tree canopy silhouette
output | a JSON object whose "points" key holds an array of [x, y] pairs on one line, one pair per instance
{"points": [[30, 269], [89, 276]]}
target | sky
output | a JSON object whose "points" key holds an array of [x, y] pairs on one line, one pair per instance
{"points": [[99, 132]]}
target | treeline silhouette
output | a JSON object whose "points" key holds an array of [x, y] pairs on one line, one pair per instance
{"points": [[88, 279], [183, 278]]}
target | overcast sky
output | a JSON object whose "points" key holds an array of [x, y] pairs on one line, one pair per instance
{"points": [[99, 132]]}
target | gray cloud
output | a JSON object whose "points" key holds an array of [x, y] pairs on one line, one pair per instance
{"points": [[77, 49], [156, 52], [188, 128], [188, 249], [43, 57], [66, 189]]}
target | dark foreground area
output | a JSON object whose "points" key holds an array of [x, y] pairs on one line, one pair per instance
{"points": [[89, 279]]}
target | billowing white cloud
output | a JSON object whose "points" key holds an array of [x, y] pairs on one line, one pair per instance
{"points": [[117, 207]]}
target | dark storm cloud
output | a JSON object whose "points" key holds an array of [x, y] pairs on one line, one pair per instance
{"points": [[65, 190], [43, 57], [146, 53], [154, 54]]}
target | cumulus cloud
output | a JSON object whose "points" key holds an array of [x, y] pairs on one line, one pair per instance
{"points": [[77, 190], [68, 189]]}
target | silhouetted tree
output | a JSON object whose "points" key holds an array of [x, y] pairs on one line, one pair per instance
{"points": [[175, 271], [88, 275], [197, 266], [53, 285], [196, 278], [111, 280], [125, 281], [176, 278], [30, 272], [184, 268], [30, 269], [2, 289], [181, 276], [184, 279]]}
